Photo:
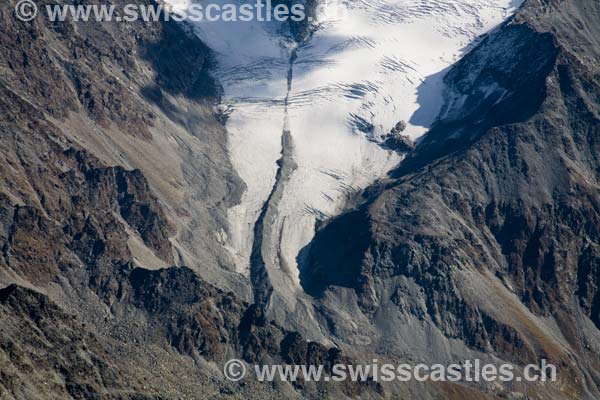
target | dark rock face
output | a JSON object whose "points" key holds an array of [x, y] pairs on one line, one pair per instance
{"points": [[398, 142], [33, 328], [57, 65], [395, 140], [74, 208]]}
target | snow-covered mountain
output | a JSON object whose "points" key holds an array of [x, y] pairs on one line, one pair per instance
{"points": [[368, 65], [122, 215]]}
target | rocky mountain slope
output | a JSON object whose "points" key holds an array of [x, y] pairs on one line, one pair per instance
{"points": [[137, 96], [92, 118], [116, 279], [487, 234]]}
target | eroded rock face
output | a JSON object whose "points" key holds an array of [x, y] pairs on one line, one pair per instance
{"points": [[138, 96], [71, 209], [33, 328]]}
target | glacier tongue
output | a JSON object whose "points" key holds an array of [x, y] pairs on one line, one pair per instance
{"points": [[368, 65]]}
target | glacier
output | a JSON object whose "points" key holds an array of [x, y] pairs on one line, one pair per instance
{"points": [[305, 119]]}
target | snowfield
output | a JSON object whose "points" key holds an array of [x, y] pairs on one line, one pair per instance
{"points": [[375, 63]]}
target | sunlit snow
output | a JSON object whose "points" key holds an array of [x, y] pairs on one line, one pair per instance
{"points": [[367, 67]]}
